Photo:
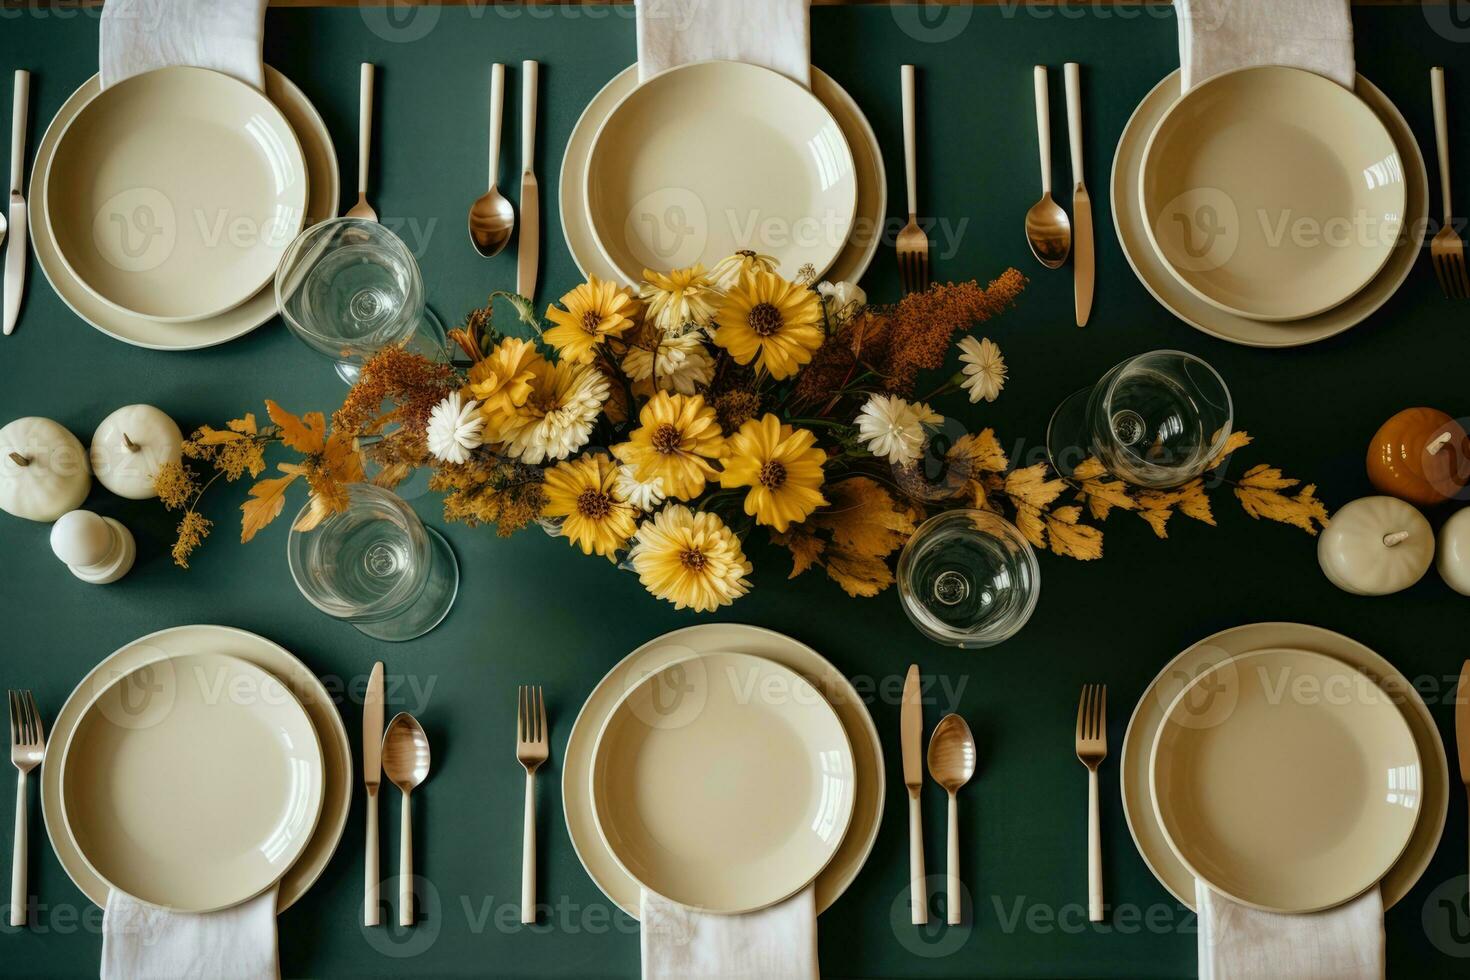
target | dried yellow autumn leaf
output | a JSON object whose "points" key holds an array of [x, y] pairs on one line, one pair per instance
{"points": [[1071, 539], [1158, 519], [979, 453], [267, 498], [1303, 510], [864, 518], [1032, 526], [245, 426], [1090, 468], [207, 436], [859, 575], [1263, 477], [806, 549], [1029, 487], [1236, 440], [1194, 502], [306, 434]]}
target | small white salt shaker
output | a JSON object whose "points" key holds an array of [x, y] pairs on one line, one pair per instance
{"points": [[97, 549]]}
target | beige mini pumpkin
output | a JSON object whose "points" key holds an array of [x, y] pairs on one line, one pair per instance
{"points": [[1376, 546], [130, 446], [43, 470]]}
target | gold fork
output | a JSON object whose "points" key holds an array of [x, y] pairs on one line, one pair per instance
{"points": [[912, 244], [27, 745], [1446, 250], [531, 751], [1092, 749]]}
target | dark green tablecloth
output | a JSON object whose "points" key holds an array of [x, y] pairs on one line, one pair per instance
{"points": [[532, 610]]}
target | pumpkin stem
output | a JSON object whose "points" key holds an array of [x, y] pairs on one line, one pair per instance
{"points": [[1440, 441], [1394, 538], [20, 460], [129, 444]]}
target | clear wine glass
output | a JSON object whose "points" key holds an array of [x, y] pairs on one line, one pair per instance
{"points": [[376, 565], [1154, 421], [349, 287], [967, 578]]}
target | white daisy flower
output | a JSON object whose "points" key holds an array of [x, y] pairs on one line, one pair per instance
{"points": [[731, 269], [643, 494], [985, 369], [843, 300], [682, 363], [455, 428], [893, 428], [558, 422]]}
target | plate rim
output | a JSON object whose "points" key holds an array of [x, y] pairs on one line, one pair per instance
{"points": [[1402, 877], [1153, 774], [824, 898], [307, 678], [828, 712], [850, 218], [319, 788]]}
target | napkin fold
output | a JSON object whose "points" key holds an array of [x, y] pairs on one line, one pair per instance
{"points": [[775, 34], [145, 942], [141, 35], [1241, 943], [776, 943], [1221, 35]]}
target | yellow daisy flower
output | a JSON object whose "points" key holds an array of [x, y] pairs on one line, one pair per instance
{"points": [[683, 296], [781, 465], [732, 268], [505, 379], [676, 437], [770, 321], [581, 492], [593, 312], [690, 558]]}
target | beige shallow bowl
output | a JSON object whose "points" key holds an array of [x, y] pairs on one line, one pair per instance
{"points": [[1272, 193], [192, 782], [706, 159], [723, 782], [1286, 780], [172, 194]]}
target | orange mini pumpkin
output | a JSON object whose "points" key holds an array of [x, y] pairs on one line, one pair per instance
{"points": [[1420, 455]]}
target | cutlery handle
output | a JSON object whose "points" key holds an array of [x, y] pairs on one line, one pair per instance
{"points": [[1043, 128], [952, 876], [497, 112], [364, 125], [910, 139], [1072, 74], [918, 893], [1094, 852], [18, 889], [370, 877], [405, 867], [18, 128], [530, 72], [1441, 136], [528, 854]]}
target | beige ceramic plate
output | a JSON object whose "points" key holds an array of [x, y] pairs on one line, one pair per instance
{"points": [[1148, 716], [1286, 780], [681, 644], [1272, 193], [321, 166], [192, 783], [706, 159], [723, 782], [1161, 283], [872, 180], [183, 641], [172, 194]]}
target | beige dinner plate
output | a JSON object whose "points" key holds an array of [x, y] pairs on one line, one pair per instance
{"points": [[1170, 292], [710, 158], [872, 179], [192, 783], [1143, 728], [1286, 780], [321, 167], [172, 194], [722, 782], [867, 751], [182, 641]]}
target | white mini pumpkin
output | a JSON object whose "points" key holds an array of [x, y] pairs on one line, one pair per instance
{"points": [[1376, 546], [130, 446], [43, 470], [1453, 561]]}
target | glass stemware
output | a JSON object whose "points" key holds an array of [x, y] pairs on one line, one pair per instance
{"points": [[348, 288], [1154, 421], [376, 565], [968, 578]]}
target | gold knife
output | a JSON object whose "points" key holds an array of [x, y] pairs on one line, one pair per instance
{"points": [[372, 776], [15, 254], [911, 733], [527, 252], [1082, 255]]}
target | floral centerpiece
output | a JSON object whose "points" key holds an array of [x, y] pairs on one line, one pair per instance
{"points": [[660, 427]]}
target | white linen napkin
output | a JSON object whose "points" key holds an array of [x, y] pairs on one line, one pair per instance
{"points": [[141, 35], [144, 942], [1220, 35], [777, 943], [1240, 943], [775, 34]]}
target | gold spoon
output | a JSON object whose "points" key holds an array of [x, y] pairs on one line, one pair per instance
{"points": [[406, 763], [1047, 228], [492, 219], [951, 764]]}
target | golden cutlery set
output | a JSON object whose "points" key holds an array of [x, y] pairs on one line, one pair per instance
{"points": [[951, 758], [401, 752], [1050, 234]]}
